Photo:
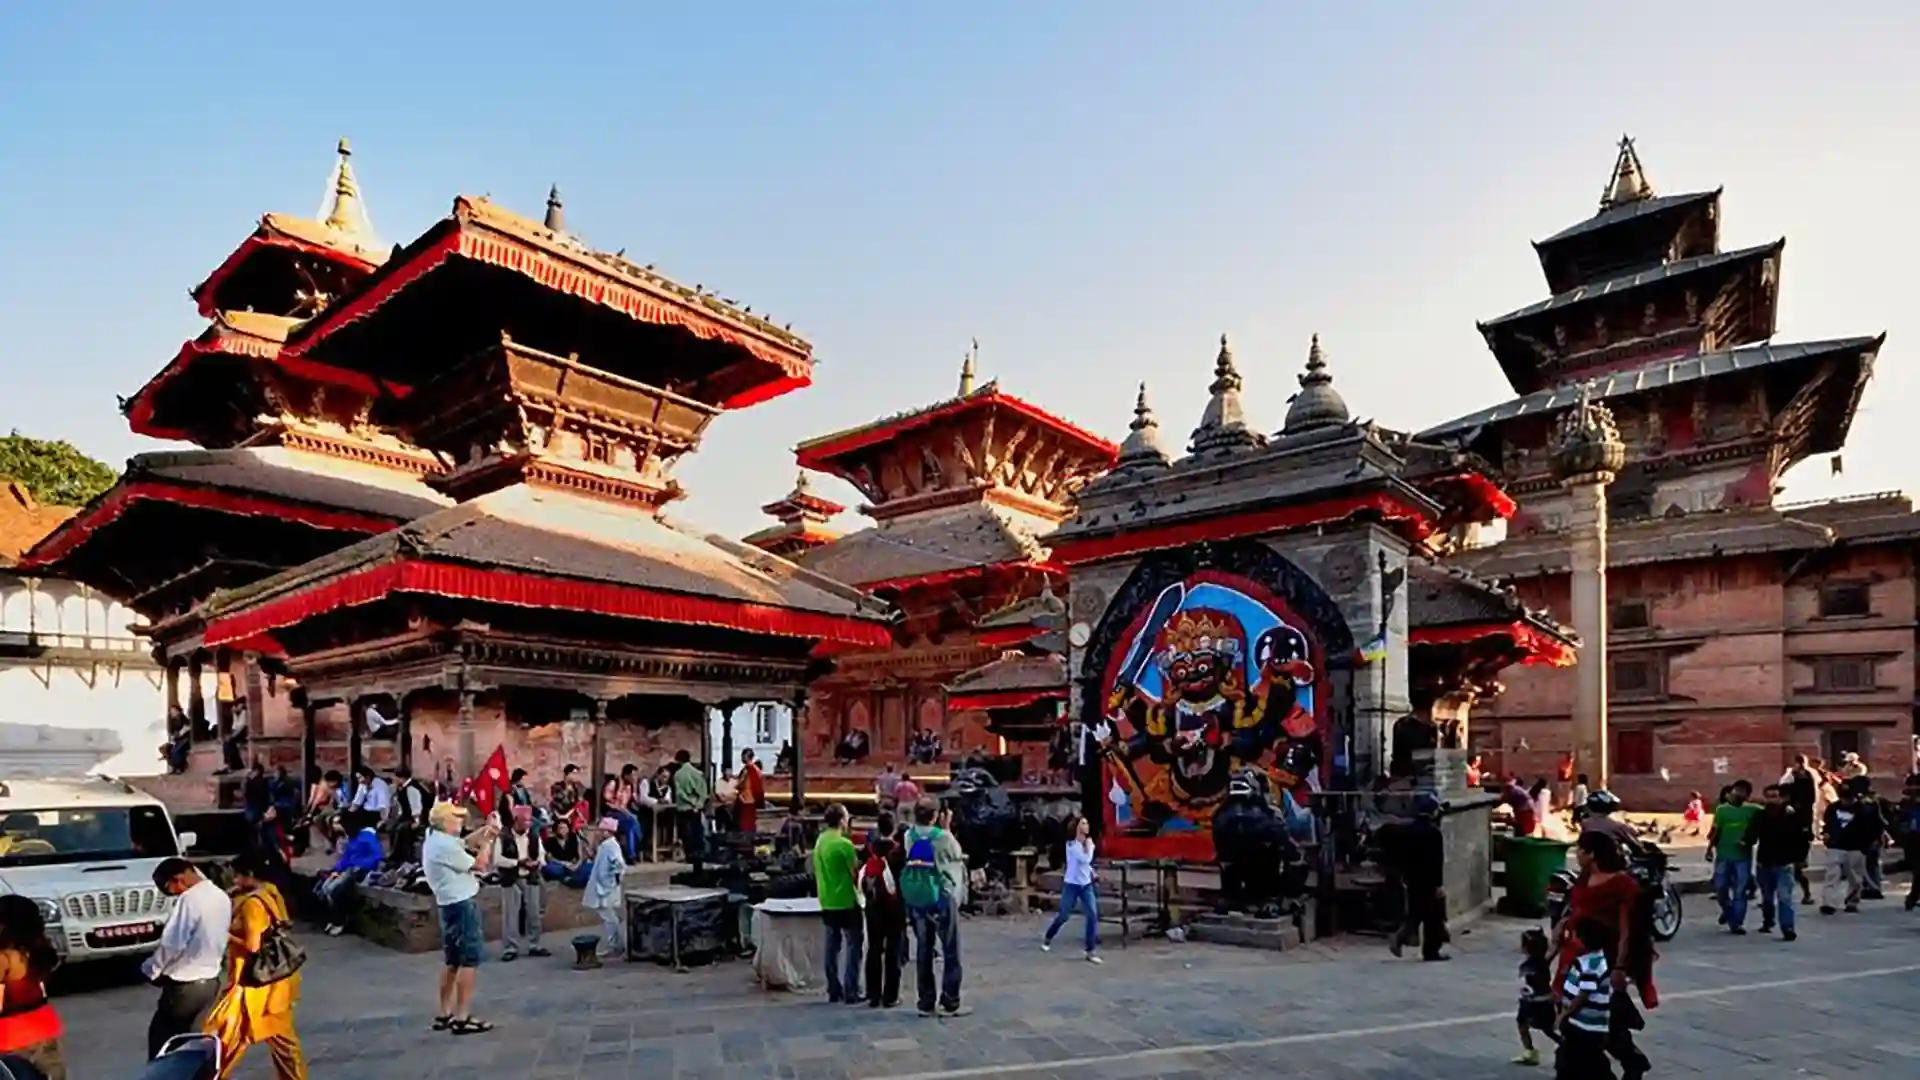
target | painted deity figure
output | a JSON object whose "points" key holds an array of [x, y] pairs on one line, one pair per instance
{"points": [[1207, 723]]}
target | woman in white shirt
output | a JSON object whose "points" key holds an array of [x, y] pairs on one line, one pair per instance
{"points": [[603, 894], [1078, 891]]}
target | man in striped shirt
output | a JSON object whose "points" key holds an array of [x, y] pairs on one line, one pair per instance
{"points": [[1586, 1008]]}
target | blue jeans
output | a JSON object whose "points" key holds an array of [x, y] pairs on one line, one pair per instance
{"points": [[1730, 880], [844, 927], [942, 922], [1080, 897], [575, 878], [629, 832], [1776, 896]]}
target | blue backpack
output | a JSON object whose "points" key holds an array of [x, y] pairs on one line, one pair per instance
{"points": [[921, 886]]}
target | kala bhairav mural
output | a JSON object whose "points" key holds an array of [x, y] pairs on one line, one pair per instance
{"points": [[1215, 675]]}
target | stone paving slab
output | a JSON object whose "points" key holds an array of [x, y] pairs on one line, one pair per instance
{"points": [[1839, 1000]]}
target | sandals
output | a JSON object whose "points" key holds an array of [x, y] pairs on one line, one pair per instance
{"points": [[470, 1026], [442, 1023]]}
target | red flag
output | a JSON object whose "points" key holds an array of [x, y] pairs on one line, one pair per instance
{"points": [[491, 781]]}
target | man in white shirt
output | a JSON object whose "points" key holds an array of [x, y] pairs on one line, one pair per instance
{"points": [[371, 795], [452, 868], [186, 966]]}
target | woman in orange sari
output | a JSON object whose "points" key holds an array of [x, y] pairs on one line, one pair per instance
{"points": [[245, 1015]]}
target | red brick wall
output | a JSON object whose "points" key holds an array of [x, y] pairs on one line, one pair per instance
{"points": [[1737, 639]]}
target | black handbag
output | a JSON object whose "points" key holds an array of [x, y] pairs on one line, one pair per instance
{"points": [[278, 958]]}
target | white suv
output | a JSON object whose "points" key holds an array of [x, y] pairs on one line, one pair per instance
{"points": [[85, 850]]}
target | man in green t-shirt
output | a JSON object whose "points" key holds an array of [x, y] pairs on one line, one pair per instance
{"points": [[690, 798], [836, 867], [1730, 846]]}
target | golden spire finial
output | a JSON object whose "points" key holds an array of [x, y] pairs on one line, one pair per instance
{"points": [[344, 211], [1628, 184], [345, 191], [967, 368]]}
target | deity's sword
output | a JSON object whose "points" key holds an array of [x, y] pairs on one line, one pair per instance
{"points": [[1138, 656]]}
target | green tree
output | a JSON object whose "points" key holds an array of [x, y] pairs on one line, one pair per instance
{"points": [[56, 473]]}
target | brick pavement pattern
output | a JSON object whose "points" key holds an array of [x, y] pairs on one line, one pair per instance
{"points": [[1839, 1000]]}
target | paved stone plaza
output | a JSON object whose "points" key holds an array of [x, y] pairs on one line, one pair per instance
{"points": [[1840, 1000]]}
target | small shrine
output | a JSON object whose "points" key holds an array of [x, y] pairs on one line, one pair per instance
{"points": [[960, 493], [1273, 602]]}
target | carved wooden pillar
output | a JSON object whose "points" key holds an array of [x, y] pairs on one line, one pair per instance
{"points": [[597, 760], [224, 692], [405, 736], [356, 723], [196, 698], [465, 757], [798, 799], [706, 744], [173, 692], [726, 734], [309, 741]]}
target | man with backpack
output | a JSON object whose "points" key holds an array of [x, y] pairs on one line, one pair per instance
{"points": [[413, 799], [835, 876], [886, 914], [933, 904]]}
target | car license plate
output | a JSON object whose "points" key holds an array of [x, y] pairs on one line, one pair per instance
{"points": [[108, 937]]}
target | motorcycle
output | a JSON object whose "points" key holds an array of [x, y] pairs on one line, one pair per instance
{"points": [[186, 1057], [1648, 867]]}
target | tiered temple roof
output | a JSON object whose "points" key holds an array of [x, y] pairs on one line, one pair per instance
{"points": [[299, 457], [1674, 333], [803, 518], [955, 488], [558, 443]]}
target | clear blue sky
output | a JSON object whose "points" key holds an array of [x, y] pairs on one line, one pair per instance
{"points": [[1094, 190]]}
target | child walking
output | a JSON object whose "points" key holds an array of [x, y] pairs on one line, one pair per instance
{"points": [[1696, 811], [1078, 891], [1536, 995], [1586, 1009]]}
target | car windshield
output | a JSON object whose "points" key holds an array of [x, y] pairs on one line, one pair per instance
{"points": [[84, 835]]}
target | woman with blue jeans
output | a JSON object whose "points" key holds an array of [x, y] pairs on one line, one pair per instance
{"points": [[1078, 891]]}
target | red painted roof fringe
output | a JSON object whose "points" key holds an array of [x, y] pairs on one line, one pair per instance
{"points": [[816, 455], [1496, 500], [945, 577], [81, 526], [529, 590], [1003, 699], [1540, 646], [369, 299], [203, 292], [217, 342], [1008, 636], [474, 240], [767, 391], [1394, 509]]}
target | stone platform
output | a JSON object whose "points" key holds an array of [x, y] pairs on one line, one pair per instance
{"points": [[409, 922]]}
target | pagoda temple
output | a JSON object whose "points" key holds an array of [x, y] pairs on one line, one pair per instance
{"points": [[960, 493], [291, 458], [426, 516], [1742, 631]]}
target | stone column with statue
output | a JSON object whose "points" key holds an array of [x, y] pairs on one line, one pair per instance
{"points": [[1586, 454]]}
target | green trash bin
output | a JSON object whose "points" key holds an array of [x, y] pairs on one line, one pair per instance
{"points": [[1531, 863]]}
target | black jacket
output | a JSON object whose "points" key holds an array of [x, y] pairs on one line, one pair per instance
{"points": [[1855, 826], [1780, 837]]}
